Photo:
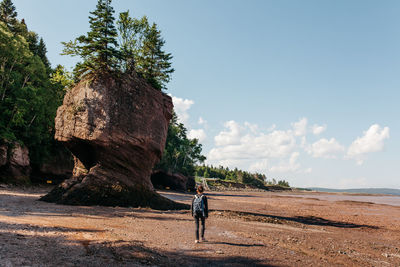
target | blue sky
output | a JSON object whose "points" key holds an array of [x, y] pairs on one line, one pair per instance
{"points": [[305, 91]]}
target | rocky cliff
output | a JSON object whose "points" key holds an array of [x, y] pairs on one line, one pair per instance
{"points": [[14, 164], [116, 130]]}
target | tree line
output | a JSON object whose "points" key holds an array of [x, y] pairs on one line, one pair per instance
{"points": [[29, 96], [237, 175]]}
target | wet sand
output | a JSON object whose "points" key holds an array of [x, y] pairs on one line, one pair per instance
{"points": [[376, 199], [244, 229]]}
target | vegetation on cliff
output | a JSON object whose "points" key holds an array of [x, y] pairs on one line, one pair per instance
{"points": [[236, 175], [181, 154], [31, 90], [29, 97]]}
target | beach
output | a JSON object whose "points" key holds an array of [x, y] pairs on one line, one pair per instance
{"points": [[243, 229]]}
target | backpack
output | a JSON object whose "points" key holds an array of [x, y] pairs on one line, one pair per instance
{"points": [[198, 205]]}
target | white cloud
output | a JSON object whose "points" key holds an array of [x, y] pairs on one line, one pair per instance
{"points": [[300, 127], [325, 148], [249, 147], [372, 141], [253, 127], [181, 107], [318, 129], [260, 166], [230, 137], [270, 129], [308, 170], [202, 121], [303, 142], [291, 166], [199, 134]]}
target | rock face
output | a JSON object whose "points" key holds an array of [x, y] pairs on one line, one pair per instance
{"points": [[116, 130], [3, 155], [174, 181], [15, 164]]}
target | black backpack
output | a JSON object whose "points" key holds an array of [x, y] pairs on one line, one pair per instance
{"points": [[198, 205]]}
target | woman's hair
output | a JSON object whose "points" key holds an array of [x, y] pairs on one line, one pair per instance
{"points": [[200, 189]]}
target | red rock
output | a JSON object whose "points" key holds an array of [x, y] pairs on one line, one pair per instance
{"points": [[116, 129]]}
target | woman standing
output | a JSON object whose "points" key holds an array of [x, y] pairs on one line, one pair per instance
{"points": [[199, 212]]}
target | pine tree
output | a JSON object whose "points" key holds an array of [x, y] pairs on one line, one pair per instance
{"points": [[142, 50], [41, 52], [99, 47], [153, 63], [8, 14]]}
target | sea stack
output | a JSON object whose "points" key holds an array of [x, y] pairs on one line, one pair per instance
{"points": [[116, 129]]}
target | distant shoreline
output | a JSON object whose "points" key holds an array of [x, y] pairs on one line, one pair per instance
{"points": [[368, 191]]}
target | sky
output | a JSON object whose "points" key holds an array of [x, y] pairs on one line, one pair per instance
{"points": [[305, 91]]}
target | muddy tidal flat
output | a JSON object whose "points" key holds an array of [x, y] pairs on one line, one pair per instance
{"points": [[244, 229]]}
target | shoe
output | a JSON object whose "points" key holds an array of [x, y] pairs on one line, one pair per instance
{"points": [[196, 241], [203, 240]]}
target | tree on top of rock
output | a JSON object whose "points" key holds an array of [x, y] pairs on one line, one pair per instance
{"points": [[142, 50], [8, 14], [153, 62], [98, 48]]}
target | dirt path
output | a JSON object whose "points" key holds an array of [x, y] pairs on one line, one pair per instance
{"points": [[245, 229]]}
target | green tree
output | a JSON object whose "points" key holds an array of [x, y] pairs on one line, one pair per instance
{"points": [[283, 183], [41, 52], [98, 48], [8, 14], [153, 63], [131, 35], [181, 154], [28, 98], [142, 50]]}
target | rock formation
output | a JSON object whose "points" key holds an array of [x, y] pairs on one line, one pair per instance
{"points": [[174, 181], [14, 164], [116, 129]]}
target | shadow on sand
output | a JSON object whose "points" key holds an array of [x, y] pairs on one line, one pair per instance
{"points": [[19, 249], [307, 220]]}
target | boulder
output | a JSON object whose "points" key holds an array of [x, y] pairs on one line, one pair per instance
{"points": [[174, 181], [15, 166], [116, 129]]}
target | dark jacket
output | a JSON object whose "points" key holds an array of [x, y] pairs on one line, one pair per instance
{"points": [[205, 202]]}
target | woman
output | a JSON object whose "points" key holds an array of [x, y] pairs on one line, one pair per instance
{"points": [[199, 212]]}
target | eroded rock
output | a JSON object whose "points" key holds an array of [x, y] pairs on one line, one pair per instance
{"points": [[116, 129], [14, 164]]}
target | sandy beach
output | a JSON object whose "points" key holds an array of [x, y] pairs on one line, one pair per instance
{"points": [[244, 229]]}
